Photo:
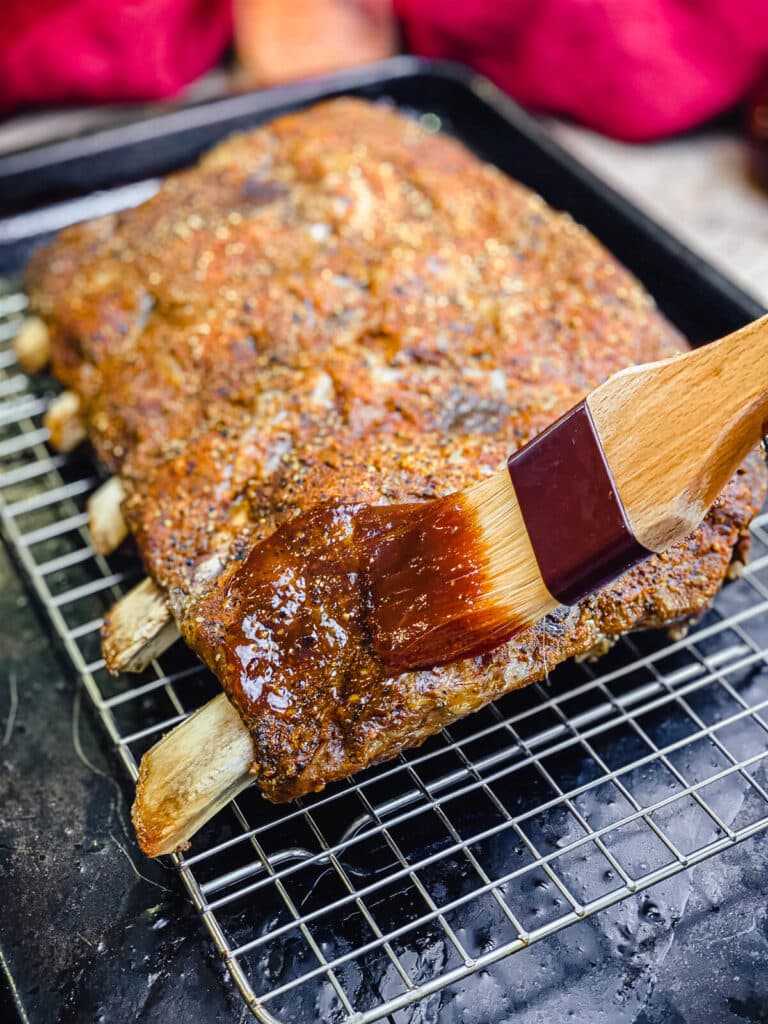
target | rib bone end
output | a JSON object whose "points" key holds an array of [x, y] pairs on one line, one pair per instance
{"points": [[189, 775], [32, 345], [137, 629], [65, 422], [105, 518]]}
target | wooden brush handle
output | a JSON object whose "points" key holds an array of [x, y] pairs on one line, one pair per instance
{"points": [[674, 432]]}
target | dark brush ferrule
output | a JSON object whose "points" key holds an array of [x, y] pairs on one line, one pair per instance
{"points": [[576, 522]]}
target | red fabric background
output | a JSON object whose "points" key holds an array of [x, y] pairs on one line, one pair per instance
{"points": [[636, 69], [59, 50]]}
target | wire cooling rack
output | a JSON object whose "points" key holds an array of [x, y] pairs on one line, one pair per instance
{"points": [[544, 808]]}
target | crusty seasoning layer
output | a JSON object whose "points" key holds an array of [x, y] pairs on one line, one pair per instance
{"points": [[342, 306]]}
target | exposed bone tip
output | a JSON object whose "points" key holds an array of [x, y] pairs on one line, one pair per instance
{"points": [[65, 422], [106, 524], [32, 345], [138, 628], [189, 775], [678, 632], [736, 569]]}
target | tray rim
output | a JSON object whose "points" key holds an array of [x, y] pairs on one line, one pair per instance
{"points": [[196, 114]]}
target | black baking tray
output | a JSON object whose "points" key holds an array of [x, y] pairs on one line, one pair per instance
{"points": [[699, 300]]}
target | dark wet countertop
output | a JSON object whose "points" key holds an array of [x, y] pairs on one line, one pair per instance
{"points": [[91, 931], [84, 935]]}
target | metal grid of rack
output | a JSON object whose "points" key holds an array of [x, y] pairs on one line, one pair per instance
{"points": [[546, 807]]}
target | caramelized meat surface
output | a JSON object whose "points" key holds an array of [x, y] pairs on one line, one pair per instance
{"points": [[340, 306]]}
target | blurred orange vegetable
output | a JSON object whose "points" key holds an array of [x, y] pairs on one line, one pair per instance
{"points": [[282, 40]]}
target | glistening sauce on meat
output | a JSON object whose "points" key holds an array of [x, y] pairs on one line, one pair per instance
{"points": [[292, 650], [302, 647]]}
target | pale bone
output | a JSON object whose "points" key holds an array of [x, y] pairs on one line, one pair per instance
{"points": [[106, 524], [189, 775], [65, 422], [138, 628], [32, 345], [736, 569]]}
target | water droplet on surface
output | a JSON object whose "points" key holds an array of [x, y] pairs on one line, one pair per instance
{"points": [[652, 912], [430, 123]]}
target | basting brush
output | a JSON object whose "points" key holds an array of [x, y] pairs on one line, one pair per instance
{"points": [[627, 472]]}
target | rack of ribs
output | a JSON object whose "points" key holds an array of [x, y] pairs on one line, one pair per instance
{"points": [[335, 306]]}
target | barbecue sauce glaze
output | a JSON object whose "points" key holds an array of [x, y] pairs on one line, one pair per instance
{"points": [[299, 628]]}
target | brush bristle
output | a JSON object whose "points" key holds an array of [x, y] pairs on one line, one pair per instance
{"points": [[456, 578], [512, 582]]}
